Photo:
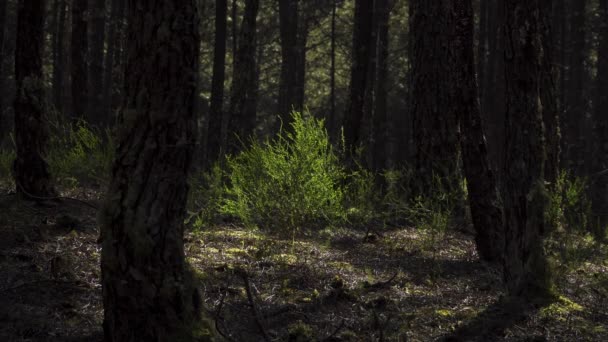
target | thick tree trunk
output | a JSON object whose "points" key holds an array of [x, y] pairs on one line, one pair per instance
{"points": [[3, 17], [548, 91], [600, 193], [482, 47], [31, 172], [216, 112], [435, 124], [59, 55], [362, 45], [96, 74], [525, 271], [380, 125], [575, 105], [483, 195], [148, 291], [243, 100], [79, 49], [115, 36]]}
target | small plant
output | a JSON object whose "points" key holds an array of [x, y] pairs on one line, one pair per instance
{"points": [[289, 182], [7, 157], [206, 197]]}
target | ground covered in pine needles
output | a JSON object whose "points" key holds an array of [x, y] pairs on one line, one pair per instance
{"points": [[394, 284]]}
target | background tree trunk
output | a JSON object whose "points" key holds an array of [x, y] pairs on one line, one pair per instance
{"points": [[79, 69], [600, 195], [483, 195], [380, 125], [526, 272], [148, 293], [96, 74], [288, 84], [115, 37], [31, 171], [216, 113], [435, 124], [243, 100], [3, 17], [362, 45], [59, 55]]}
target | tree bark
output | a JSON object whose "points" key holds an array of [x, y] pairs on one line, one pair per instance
{"points": [[525, 269], [59, 55], [31, 172], [115, 37], [243, 100], [216, 113], [362, 45], [332, 120], [288, 83], [482, 47], [483, 195], [96, 67], [435, 124], [600, 192], [3, 21], [380, 125], [148, 290], [79, 69]]}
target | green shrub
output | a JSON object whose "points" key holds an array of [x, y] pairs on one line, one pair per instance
{"points": [[7, 157], [570, 207], [206, 197], [288, 182], [80, 153]]}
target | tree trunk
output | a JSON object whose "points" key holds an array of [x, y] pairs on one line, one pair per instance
{"points": [[434, 122], [482, 47], [148, 290], [79, 49], [3, 21], [483, 195], [216, 113], [575, 89], [59, 55], [112, 56], [600, 195], [243, 100], [362, 45], [526, 271], [31, 172], [332, 121], [381, 128], [548, 90], [288, 20], [98, 29]]}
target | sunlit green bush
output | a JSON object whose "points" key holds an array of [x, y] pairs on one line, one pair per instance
{"points": [[80, 153], [570, 207], [291, 181]]}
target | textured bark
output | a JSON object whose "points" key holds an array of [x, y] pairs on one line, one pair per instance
{"points": [[79, 49], [575, 104], [381, 129], [115, 37], [96, 74], [3, 21], [548, 89], [31, 171], [288, 83], [216, 112], [482, 47], [600, 192], [59, 55], [362, 45], [525, 269], [243, 99], [483, 195], [435, 124], [148, 292]]}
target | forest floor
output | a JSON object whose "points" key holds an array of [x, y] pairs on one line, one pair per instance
{"points": [[342, 285]]}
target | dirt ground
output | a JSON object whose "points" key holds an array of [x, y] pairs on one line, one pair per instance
{"points": [[397, 284]]}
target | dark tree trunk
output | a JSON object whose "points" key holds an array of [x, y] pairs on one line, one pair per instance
{"points": [[288, 20], [332, 120], [482, 47], [59, 54], [548, 91], [362, 45], [243, 100], [380, 125], [148, 290], [483, 195], [600, 196], [216, 113], [96, 74], [79, 49], [575, 105], [112, 56], [31, 172], [435, 124], [3, 17], [525, 271]]}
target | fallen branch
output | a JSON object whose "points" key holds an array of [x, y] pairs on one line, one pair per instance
{"points": [[254, 308], [335, 331], [381, 284]]}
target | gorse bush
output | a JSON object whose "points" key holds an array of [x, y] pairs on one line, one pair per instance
{"points": [[291, 181]]}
